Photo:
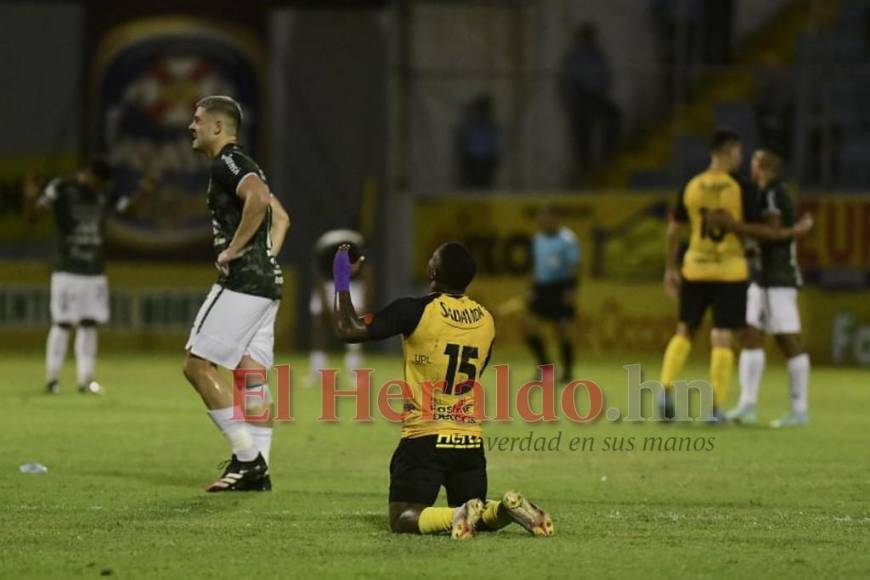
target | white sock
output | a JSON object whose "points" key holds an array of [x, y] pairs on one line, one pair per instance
{"points": [[261, 434], [236, 432], [751, 367], [55, 351], [86, 353], [262, 437], [798, 382], [316, 360], [353, 359]]}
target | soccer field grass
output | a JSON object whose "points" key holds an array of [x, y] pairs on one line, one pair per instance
{"points": [[123, 494]]}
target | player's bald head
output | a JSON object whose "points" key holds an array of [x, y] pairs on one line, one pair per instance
{"points": [[225, 107], [452, 267]]}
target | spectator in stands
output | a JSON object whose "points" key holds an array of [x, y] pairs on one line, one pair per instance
{"points": [[477, 145], [585, 81]]}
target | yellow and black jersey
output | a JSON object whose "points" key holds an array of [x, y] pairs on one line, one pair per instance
{"points": [[447, 341], [714, 255]]}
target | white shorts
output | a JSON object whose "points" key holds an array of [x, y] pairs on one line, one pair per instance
{"points": [[773, 310], [77, 297], [357, 296], [230, 325]]}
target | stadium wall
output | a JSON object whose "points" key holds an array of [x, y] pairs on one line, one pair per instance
{"points": [[152, 305]]}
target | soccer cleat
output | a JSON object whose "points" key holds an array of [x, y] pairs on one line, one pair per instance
{"points": [[535, 520], [265, 485], [742, 415], [243, 476], [666, 406], [790, 420], [716, 417], [91, 388], [52, 387], [465, 519]]}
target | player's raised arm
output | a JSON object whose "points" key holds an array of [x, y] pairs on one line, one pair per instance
{"points": [[145, 189], [399, 318], [256, 197], [36, 200], [280, 224], [347, 323]]}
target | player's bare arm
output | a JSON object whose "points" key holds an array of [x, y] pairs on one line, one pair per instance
{"points": [[146, 187], [280, 224], [256, 197], [771, 230], [34, 203], [348, 325], [672, 269]]}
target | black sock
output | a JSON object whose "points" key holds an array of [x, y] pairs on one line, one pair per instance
{"points": [[567, 359], [537, 345]]}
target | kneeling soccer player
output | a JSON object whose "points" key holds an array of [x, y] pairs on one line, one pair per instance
{"points": [[445, 334]]}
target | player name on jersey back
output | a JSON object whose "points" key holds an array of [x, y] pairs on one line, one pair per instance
{"points": [[462, 315]]}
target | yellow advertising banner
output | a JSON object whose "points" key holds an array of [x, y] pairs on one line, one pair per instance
{"points": [[621, 234], [841, 239], [622, 307]]}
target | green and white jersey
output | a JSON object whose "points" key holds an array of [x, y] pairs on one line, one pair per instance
{"points": [[255, 271], [779, 266], [80, 216]]}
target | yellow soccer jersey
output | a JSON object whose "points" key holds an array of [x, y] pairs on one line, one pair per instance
{"points": [[714, 255], [446, 341]]}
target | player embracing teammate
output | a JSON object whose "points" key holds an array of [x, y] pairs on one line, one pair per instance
{"points": [[771, 304], [715, 273]]}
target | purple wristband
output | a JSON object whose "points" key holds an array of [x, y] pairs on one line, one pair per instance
{"points": [[341, 271]]}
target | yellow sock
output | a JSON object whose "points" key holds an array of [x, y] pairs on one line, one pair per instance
{"points": [[493, 517], [435, 520], [721, 366], [675, 357]]}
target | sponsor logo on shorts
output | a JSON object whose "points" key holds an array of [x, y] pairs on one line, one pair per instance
{"points": [[458, 441]]}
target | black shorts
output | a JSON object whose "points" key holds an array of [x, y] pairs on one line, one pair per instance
{"points": [[420, 467], [728, 300], [548, 301]]}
